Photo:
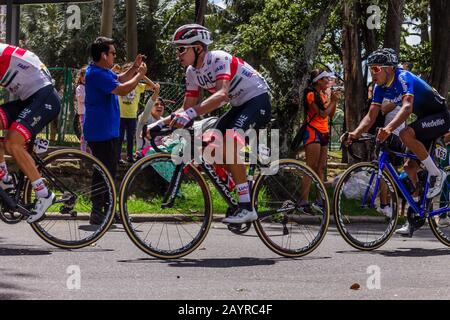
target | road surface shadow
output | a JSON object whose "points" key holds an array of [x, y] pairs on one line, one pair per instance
{"points": [[12, 291], [220, 262], [22, 251], [89, 249], [403, 252], [93, 228], [414, 252]]}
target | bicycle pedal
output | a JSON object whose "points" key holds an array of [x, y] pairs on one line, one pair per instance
{"points": [[409, 235]]}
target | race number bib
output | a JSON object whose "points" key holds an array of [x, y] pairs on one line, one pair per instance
{"points": [[41, 145]]}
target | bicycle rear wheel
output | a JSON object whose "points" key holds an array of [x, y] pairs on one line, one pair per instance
{"points": [[165, 232], [442, 233], [360, 224], [285, 225], [76, 178]]}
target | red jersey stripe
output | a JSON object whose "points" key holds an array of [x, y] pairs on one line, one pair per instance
{"points": [[20, 52], [223, 77], [5, 60], [192, 93]]}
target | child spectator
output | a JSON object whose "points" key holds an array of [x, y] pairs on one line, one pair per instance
{"points": [[80, 93], [129, 105]]}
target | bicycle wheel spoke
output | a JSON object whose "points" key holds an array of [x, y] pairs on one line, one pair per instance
{"points": [[78, 180], [176, 229], [361, 224], [285, 229]]}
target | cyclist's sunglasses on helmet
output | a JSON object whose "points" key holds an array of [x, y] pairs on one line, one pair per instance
{"points": [[376, 69], [183, 49]]}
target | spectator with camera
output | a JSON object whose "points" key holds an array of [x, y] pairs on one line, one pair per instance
{"points": [[102, 122], [318, 110]]}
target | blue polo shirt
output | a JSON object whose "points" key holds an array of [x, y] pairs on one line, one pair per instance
{"points": [[102, 117]]}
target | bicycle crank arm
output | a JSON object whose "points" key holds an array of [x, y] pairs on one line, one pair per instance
{"points": [[22, 210], [10, 203]]}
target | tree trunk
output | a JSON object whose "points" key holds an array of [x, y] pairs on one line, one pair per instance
{"points": [[440, 44], [132, 40], [394, 24], [314, 35], [424, 24], [369, 36], [200, 11], [353, 78], [147, 39], [107, 18]]}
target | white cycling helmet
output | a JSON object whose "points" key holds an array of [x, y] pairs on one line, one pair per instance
{"points": [[190, 33]]}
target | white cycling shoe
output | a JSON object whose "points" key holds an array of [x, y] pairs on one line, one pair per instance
{"points": [[442, 222], [8, 185], [404, 230], [435, 184], [386, 211], [40, 207], [242, 216]]}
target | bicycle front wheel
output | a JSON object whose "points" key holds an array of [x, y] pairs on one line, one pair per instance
{"points": [[442, 233], [165, 231], [82, 185], [356, 206], [293, 208]]}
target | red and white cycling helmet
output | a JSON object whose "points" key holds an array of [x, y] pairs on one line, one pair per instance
{"points": [[190, 33]]}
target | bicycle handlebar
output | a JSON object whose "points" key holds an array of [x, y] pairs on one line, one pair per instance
{"points": [[366, 137]]}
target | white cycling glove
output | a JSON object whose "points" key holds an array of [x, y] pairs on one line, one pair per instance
{"points": [[184, 117]]}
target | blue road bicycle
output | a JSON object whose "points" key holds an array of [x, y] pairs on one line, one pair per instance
{"points": [[359, 190]]}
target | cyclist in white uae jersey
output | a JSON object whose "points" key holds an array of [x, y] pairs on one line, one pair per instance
{"points": [[24, 75], [245, 82], [21, 71], [229, 79]]}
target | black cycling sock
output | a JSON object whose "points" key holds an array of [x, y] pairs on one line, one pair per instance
{"points": [[384, 205], [246, 206]]}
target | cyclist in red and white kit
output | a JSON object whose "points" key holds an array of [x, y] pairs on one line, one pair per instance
{"points": [[229, 79], [24, 75]]}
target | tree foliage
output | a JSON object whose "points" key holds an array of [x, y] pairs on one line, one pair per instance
{"points": [[269, 34]]}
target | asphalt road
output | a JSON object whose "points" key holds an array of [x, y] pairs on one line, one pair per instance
{"points": [[226, 266]]}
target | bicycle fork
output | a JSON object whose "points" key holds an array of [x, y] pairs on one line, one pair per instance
{"points": [[174, 187]]}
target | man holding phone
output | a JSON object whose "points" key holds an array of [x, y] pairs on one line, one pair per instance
{"points": [[102, 122]]}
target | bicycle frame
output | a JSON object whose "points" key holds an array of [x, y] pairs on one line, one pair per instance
{"points": [[177, 177], [175, 183], [385, 163], [13, 203]]}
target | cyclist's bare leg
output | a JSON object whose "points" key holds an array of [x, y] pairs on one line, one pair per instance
{"points": [[384, 198], [15, 146], [408, 137], [237, 170], [3, 166], [411, 167]]}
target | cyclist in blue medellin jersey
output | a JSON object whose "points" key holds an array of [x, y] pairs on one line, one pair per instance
{"points": [[402, 88]]}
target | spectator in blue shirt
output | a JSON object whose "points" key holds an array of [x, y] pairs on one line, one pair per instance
{"points": [[102, 122]]}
